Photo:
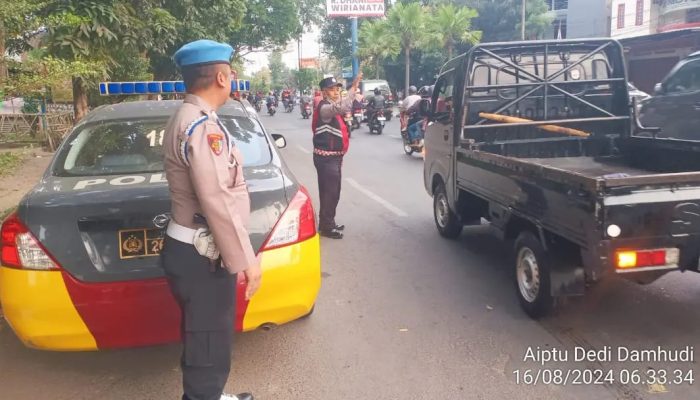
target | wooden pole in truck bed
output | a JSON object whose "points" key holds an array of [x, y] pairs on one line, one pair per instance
{"points": [[548, 128]]}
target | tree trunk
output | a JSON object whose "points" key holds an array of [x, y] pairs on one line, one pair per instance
{"points": [[449, 50], [80, 100], [408, 71], [3, 66], [376, 61]]}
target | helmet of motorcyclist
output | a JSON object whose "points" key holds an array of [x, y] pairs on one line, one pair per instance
{"points": [[377, 91], [412, 90]]}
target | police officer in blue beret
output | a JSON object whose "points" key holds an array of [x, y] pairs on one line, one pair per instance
{"points": [[207, 242]]}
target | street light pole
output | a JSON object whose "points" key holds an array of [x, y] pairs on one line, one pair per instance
{"points": [[522, 23]]}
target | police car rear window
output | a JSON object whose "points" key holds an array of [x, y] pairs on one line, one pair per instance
{"points": [[130, 147]]}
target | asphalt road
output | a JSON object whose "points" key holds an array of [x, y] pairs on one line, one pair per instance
{"points": [[403, 314]]}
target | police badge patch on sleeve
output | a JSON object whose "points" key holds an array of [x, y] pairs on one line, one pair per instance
{"points": [[216, 142]]}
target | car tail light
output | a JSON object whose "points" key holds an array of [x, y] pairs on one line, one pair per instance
{"points": [[627, 259], [20, 249], [296, 224]]}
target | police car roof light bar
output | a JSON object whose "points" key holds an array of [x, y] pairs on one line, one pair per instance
{"points": [[158, 87]]}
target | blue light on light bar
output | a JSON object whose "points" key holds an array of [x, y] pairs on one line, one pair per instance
{"points": [[141, 88], [157, 87]]}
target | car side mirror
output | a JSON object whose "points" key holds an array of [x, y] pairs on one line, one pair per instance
{"points": [[280, 141], [659, 88], [424, 108]]}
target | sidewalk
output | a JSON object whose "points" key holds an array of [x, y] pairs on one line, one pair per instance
{"points": [[14, 185]]}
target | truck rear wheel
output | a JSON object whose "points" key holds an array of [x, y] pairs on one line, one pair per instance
{"points": [[447, 222], [532, 280]]}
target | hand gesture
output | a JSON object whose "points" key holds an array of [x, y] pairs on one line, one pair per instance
{"points": [[253, 276]]}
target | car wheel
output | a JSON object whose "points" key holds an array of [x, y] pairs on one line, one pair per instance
{"points": [[532, 278], [447, 222]]}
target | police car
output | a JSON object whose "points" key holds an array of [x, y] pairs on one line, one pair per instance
{"points": [[80, 265]]}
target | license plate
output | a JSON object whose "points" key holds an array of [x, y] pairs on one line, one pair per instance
{"points": [[381, 118], [358, 115], [140, 243]]}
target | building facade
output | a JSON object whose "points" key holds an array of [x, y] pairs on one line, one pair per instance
{"points": [[631, 18], [575, 19]]}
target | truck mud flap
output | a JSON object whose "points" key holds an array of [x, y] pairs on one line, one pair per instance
{"points": [[567, 280]]}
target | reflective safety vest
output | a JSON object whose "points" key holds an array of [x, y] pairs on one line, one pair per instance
{"points": [[330, 138]]}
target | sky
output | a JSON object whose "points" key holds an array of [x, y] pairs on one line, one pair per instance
{"points": [[309, 48]]}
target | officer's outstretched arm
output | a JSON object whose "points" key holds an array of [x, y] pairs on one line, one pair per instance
{"points": [[224, 202]]}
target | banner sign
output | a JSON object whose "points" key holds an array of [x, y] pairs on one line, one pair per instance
{"points": [[668, 6], [355, 8]]}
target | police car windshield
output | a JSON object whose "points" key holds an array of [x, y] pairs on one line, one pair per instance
{"points": [[132, 147]]}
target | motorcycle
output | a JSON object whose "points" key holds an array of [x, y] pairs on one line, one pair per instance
{"points": [[306, 111], [271, 109], [358, 116], [289, 107], [348, 122], [258, 105], [409, 147], [376, 122]]}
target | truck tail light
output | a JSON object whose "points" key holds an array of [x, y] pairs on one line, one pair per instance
{"points": [[628, 259], [20, 249], [296, 224]]}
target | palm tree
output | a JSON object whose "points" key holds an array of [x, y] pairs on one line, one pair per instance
{"points": [[377, 42], [407, 22], [451, 26]]}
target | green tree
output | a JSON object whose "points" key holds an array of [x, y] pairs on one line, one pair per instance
{"points": [[450, 26], [267, 24], [93, 32], [306, 78], [278, 71], [500, 20], [260, 81], [16, 18], [377, 42], [407, 22], [336, 37]]}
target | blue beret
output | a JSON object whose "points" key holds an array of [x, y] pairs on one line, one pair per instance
{"points": [[203, 52]]}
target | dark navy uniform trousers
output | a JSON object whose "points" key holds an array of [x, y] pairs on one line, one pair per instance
{"points": [[207, 301], [329, 173]]}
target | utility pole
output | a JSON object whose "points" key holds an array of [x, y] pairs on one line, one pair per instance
{"points": [[355, 62], [522, 23], [299, 52]]}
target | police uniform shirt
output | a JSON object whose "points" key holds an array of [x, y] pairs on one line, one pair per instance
{"points": [[205, 175]]}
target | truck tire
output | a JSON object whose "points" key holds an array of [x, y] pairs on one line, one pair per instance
{"points": [[446, 221], [532, 280]]}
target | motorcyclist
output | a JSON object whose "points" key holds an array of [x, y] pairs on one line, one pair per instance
{"points": [[271, 100], [375, 104], [410, 115], [305, 99], [285, 98]]}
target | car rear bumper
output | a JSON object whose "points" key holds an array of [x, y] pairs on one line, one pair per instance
{"points": [[52, 310]]}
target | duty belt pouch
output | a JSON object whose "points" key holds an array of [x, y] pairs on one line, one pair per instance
{"points": [[204, 243]]}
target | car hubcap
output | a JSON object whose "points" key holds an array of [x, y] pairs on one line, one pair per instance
{"points": [[528, 274], [441, 210]]}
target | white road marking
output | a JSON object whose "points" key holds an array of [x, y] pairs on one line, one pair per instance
{"points": [[302, 149], [399, 212], [395, 136]]}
